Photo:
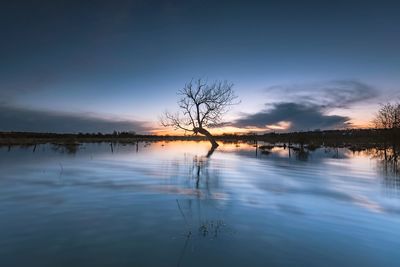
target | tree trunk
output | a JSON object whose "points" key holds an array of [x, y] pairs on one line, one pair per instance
{"points": [[208, 135]]}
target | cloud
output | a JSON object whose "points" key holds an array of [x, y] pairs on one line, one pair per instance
{"points": [[305, 106], [21, 119], [331, 94], [297, 116]]}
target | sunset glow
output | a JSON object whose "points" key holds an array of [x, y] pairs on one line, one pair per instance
{"points": [[119, 67], [199, 133]]}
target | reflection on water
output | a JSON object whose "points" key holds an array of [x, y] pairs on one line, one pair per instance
{"points": [[387, 165], [172, 204]]}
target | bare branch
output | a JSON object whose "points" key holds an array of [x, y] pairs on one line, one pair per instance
{"points": [[201, 105], [388, 116]]}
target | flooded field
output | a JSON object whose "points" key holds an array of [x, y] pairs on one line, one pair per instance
{"points": [[167, 204]]}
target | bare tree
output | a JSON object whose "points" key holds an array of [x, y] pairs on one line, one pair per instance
{"points": [[202, 106], [388, 119], [388, 116]]}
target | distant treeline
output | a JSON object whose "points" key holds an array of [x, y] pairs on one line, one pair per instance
{"points": [[317, 138], [29, 138], [329, 137]]}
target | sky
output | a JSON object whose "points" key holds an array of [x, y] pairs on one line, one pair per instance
{"points": [[90, 66]]}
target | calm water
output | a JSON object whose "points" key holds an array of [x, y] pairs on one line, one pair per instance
{"points": [[165, 204]]}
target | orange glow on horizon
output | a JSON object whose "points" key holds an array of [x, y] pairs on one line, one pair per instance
{"points": [[282, 126]]}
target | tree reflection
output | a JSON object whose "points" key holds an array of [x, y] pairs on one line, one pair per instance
{"points": [[202, 218], [388, 164], [199, 170], [301, 153]]}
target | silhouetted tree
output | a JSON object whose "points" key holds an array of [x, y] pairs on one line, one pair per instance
{"points": [[388, 116], [201, 107]]}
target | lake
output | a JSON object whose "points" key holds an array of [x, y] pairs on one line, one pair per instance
{"points": [[166, 204]]}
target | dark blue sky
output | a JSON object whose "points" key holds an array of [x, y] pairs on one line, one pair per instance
{"points": [[121, 61]]}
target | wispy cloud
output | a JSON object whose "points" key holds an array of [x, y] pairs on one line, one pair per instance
{"points": [[15, 118], [330, 94]]}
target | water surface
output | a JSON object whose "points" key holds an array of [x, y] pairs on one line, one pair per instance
{"points": [[166, 204]]}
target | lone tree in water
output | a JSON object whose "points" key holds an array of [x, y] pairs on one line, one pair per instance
{"points": [[201, 107]]}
